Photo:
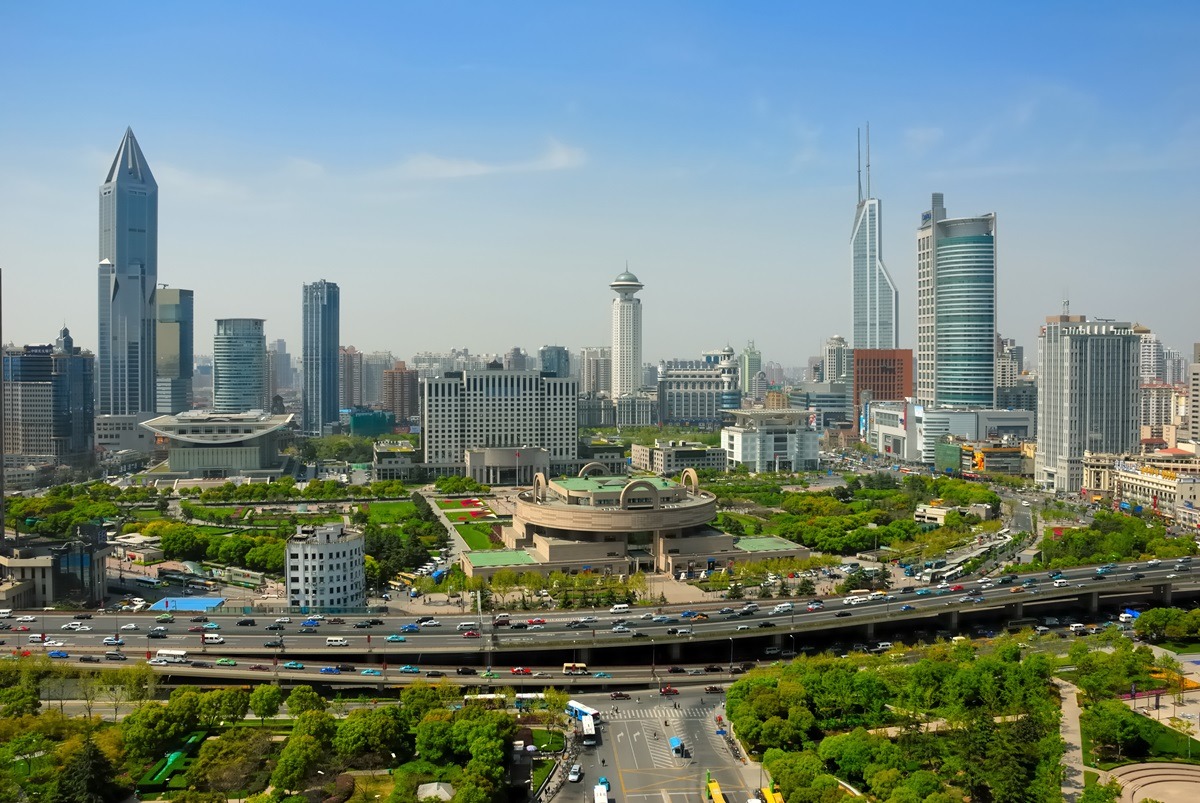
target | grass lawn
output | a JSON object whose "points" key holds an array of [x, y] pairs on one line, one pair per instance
{"points": [[541, 771], [372, 788], [146, 514], [391, 512], [552, 741], [465, 515], [1165, 745], [1180, 646], [457, 504], [211, 529], [477, 536], [1090, 778]]}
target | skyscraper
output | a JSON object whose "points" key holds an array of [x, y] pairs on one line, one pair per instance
{"points": [[749, 364], [626, 335], [321, 329], [555, 360], [240, 366], [1087, 396], [956, 309], [595, 369], [350, 377], [401, 392], [374, 364], [48, 403], [128, 276], [174, 347], [281, 365], [876, 303]]}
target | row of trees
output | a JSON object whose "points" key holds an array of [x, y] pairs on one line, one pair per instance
{"points": [[1176, 624], [1110, 536], [262, 553]]}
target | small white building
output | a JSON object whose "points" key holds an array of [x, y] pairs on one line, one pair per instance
{"points": [[326, 568], [671, 457], [772, 440]]}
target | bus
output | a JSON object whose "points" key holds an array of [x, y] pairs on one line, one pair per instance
{"points": [[575, 669], [714, 792], [173, 656], [149, 582], [599, 794], [201, 584], [769, 795], [577, 710], [590, 736]]}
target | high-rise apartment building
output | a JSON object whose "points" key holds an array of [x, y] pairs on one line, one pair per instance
{"points": [[1193, 383], [374, 364], [1010, 362], [1151, 363], [694, 397], [326, 568], [401, 392], [956, 309], [838, 360], [595, 369], [626, 335], [49, 406], [1087, 396], [128, 279], [876, 304], [240, 366], [515, 359], [555, 360], [350, 378], [174, 347], [321, 329]]}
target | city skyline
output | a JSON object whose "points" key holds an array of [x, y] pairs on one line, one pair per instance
{"points": [[696, 144]]}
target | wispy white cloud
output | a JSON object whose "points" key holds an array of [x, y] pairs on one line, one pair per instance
{"points": [[920, 139], [431, 167]]}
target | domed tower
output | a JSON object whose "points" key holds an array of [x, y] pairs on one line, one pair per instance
{"points": [[626, 335]]}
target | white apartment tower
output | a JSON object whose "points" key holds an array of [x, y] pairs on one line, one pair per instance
{"points": [[626, 336], [326, 569], [1088, 397]]}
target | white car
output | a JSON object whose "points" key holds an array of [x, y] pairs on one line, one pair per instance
{"points": [[643, 616], [541, 674], [743, 627], [1024, 503], [70, 626], [53, 643], [431, 623], [283, 620], [1149, 563], [536, 627], [83, 628], [589, 619], [130, 626], [27, 619], [157, 662], [621, 629]]}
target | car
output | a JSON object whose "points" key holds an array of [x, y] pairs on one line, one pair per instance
{"points": [[307, 630], [372, 672], [1172, 576], [1016, 589], [226, 662], [71, 626], [466, 670], [260, 667], [621, 629], [636, 634], [907, 608], [520, 670], [273, 644], [662, 619], [1153, 562], [423, 619], [293, 665], [160, 662], [489, 674], [471, 634], [576, 625], [519, 625], [815, 606], [157, 634], [619, 695], [275, 627], [535, 621], [924, 592], [842, 614], [958, 587], [82, 628], [195, 664], [410, 629], [541, 674], [330, 670], [676, 670], [646, 615], [211, 626], [82, 616], [310, 623], [283, 620], [602, 781], [941, 592], [1024, 503], [198, 619], [195, 629], [345, 667], [1139, 576], [26, 618], [245, 623], [409, 669], [58, 654], [432, 623], [666, 691], [360, 625], [602, 675], [394, 639], [589, 619], [576, 774], [736, 670], [113, 641], [333, 620], [687, 614], [742, 627], [130, 626], [21, 629], [766, 624], [435, 673], [88, 659], [535, 627]]}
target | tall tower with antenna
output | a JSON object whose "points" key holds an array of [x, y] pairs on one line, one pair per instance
{"points": [[875, 302]]}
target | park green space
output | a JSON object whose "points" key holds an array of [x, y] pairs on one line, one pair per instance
{"points": [[477, 536]]}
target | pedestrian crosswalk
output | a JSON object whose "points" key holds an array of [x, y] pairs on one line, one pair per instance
{"points": [[659, 712]]}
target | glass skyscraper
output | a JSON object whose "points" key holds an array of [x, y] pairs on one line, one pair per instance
{"points": [[319, 358], [128, 276], [174, 346], [956, 309], [240, 366], [875, 300]]}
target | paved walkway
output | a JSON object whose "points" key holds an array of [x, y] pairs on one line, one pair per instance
{"points": [[1073, 759]]}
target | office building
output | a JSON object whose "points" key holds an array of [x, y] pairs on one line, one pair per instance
{"points": [[41, 572], [838, 360], [909, 432], [174, 333], [555, 360], [1010, 363], [515, 359], [668, 458], [831, 402], [49, 407], [128, 279], [882, 375], [281, 366], [1175, 367], [210, 445], [595, 370], [240, 366], [876, 304], [956, 309], [749, 363], [401, 393], [772, 440], [1021, 396], [321, 329], [350, 378], [1193, 386], [1088, 399], [626, 335], [509, 411], [373, 365], [326, 569], [693, 397], [1151, 358]]}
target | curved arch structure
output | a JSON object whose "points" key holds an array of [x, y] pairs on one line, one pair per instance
{"points": [[593, 467], [690, 480], [539, 487], [640, 485]]}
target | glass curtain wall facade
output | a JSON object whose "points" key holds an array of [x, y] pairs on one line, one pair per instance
{"points": [[240, 366], [174, 347], [876, 302], [321, 330]]}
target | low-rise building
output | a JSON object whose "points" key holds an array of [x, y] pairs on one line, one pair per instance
{"points": [[668, 457], [393, 460], [201, 443], [325, 569], [137, 548], [39, 572], [772, 440]]}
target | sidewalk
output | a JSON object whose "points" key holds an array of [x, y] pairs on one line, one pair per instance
{"points": [[1073, 759]]}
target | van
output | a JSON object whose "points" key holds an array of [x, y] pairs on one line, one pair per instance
{"points": [[958, 639], [115, 655], [783, 607], [1078, 629], [501, 620], [213, 638], [5, 613], [336, 641], [876, 595], [1061, 583], [883, 646], [467, 626], [1126, 617], [36, 638], [619, 608]]}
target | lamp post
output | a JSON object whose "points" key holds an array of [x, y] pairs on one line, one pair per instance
{"points": [[731, 655], [793, 640]]}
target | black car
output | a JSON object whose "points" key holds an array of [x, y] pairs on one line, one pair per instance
{"points": [[747, 665], [82, 616], [273, 643], [736, 670], [766, 624], [376, 621], [519, 626], [156, 634], [115, 655], [435, 673], [362, 625], [274, 626], [714, 668], [466, 670], [5, 626], [1139, 576], [422, 620], [345, 668], [89, 659], [676, 670], [245, 622], [618, 695], [842, 614], [201, 664], [672, 631], [577, 625], [198, 619], [307, 630], [637, 634]]}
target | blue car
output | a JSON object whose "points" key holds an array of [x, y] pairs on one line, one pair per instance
{"points": [[602, 675], [687, 614], [58, 654], [330, 670], [394, 638], [602, 781], [374, 672], [409, 669], [211, 626], [907, 608], [924, 592], [310, 623], [410, 629], [293, 665]]}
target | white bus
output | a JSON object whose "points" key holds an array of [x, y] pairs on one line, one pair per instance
{"points": [[577, 710], [588, 726], [173, 656], [599, 794]]}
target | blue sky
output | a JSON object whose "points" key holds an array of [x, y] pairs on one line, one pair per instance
{"points": [[474, 175]]}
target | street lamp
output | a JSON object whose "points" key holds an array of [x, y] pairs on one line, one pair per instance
{"points": [[731, 655]]}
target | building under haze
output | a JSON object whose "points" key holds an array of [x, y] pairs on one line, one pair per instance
{"points": [[174, 347], [350, 378], [956, 309], [321, 329], [555, 360], [240, 366], [49, 403], [401, 393], [128, 277], [626, 335], [875, 301]]}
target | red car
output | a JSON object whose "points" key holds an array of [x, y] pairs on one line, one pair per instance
{"points": [[520, 670], [665, 690], [196, 629], [535, 621], [21, 629], [958, 587], [471, 634]]}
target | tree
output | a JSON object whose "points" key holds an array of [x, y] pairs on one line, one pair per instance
{"points": [[234, 705], [298, 760], [87, 777], [1113, 726], [1102, 793], [265, 701], [304, 698], [224, 764]]}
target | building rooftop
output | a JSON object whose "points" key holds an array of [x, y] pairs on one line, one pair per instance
{"points": [[593, 484], [763, 543], [499, 557]]}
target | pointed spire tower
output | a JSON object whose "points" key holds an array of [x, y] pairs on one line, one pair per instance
{"points": [[875, 301], [128, 275]]}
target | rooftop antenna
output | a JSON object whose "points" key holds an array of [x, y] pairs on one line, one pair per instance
{"points": [[868, 160], [858, 134], [1066, 306]]}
